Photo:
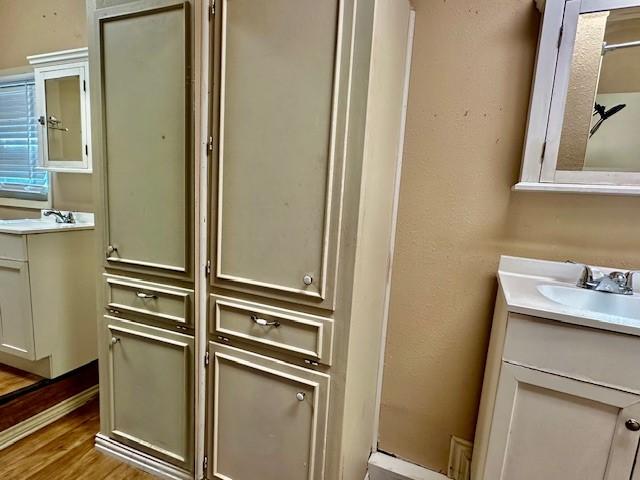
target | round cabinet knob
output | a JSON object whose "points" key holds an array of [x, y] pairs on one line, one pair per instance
{"points": [[307, 279], [111, 250], [300, 396], [114, 340], [632, 424]]}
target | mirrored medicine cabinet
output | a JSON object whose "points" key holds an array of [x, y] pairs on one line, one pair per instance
{"points": [[62, 103], [583, 133]]}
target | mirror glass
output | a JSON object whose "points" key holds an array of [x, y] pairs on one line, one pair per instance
{"points": [[602, 113], [64, 134]]}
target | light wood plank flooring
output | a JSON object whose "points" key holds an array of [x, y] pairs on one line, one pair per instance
{"points": [[12, 379], [64, 451]]}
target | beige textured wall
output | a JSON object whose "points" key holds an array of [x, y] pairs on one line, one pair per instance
{"points": [[470, 85], [29, 27]]}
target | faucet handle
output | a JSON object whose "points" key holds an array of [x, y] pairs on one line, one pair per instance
{"points": [[628, 283], [586, 277]]}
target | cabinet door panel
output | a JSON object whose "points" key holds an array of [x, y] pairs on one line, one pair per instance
{"points": [[269, 418], [151, 395], [146, 132], [552, 427], [16, 324], [276, 187]]}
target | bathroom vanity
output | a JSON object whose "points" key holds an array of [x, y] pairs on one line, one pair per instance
{"points": [[46, 294], [561, 394]]}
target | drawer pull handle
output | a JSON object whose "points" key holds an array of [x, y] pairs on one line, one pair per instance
{"points": [[632, 424], [264, 323], [300, 396], [145, 296]]}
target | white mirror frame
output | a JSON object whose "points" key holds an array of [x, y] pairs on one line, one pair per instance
{"points": [[58, 65], [548, 98]]}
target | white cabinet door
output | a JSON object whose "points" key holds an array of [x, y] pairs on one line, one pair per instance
{"points": [[268, 418], [555, 428], [151, 390], [279, 147], [16, 324]]}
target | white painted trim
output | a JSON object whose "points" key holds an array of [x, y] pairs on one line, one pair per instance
{"points": [[394, 223], [76, 54], [25, 428], [140, 460], [629, 190], [386, 467], [202, 64]]}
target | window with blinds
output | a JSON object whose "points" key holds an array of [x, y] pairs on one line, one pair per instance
{"points": [[19, 176]]}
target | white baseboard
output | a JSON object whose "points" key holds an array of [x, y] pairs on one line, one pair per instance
{"points": [[140, 460], [460, 459], [386, 467], [25, 428]]}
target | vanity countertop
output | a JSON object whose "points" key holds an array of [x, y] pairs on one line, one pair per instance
{"points": [[523, 280], [30, 226]]}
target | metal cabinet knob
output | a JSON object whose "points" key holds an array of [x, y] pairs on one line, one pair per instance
{"points": [[307, 279], [114, 340], [111, 250], [300, 396], [632, 424]]}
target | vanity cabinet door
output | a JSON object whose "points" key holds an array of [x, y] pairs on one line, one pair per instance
{"points": [[557, 428], [150, 375], [16, 324], [279, 148], [268, 418], [145, 120]]}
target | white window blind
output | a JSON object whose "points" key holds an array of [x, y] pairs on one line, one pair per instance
{"points": [[19, 175]]}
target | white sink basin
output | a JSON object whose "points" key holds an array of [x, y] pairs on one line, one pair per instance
{"points": [[627, 306]]}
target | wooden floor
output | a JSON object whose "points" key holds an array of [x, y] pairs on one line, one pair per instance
{"points": [[12, 379], [64, 451]]}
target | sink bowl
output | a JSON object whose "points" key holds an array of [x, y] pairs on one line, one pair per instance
{"points": [[627, 306]]}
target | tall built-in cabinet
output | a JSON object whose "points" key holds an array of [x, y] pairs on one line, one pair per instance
{"points": [[285, 233]]}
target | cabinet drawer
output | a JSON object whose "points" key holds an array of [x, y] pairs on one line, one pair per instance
{"points": [[596, 356], [13, 247], [299, 334], [161, 302]]}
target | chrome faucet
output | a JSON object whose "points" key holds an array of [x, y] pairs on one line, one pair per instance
{"points": [[616, 282], [60, 217]]}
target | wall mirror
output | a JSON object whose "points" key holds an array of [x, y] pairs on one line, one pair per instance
{"points": [[62, 103], [583, 133]]}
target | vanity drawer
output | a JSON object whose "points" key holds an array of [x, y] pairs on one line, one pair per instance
{"points": [[593, 355], [13, 247], [161, 302], [295, 333]]}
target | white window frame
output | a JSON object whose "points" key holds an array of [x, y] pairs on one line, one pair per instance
{"points": [[547, 108], [21, 202]]}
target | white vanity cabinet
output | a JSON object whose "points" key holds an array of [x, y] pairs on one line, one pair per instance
{"points": [[47, 301], [16, 322], [63, 110], [561, 399]]}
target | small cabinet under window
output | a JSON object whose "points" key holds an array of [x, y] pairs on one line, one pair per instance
{"points": [[62, 103]]}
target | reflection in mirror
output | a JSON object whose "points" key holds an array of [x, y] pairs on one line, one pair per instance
{"points": [[64, 135], [602, 114]]}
